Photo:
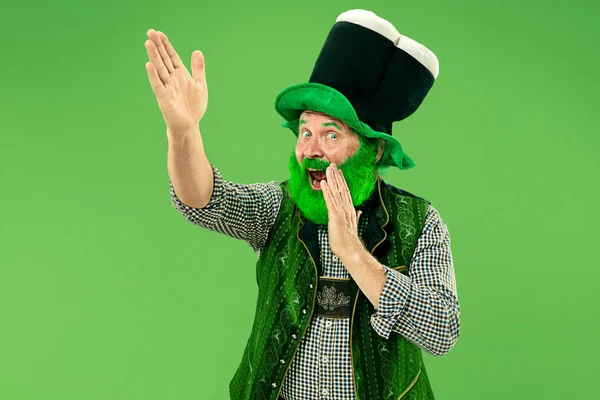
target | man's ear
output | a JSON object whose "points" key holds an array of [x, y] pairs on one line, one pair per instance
{"points": [[380, 152]]}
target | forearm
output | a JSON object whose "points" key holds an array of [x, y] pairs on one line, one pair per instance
{"points": [[189, 170], [241, 211], [366, 271], [427, 316]]}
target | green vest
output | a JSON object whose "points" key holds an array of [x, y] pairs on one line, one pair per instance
{"points": [[287, 273]]}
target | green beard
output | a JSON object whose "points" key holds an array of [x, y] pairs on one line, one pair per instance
{"points": [[359, 172]]}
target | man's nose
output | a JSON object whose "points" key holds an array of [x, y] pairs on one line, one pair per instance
{"points": [[313, 149]]}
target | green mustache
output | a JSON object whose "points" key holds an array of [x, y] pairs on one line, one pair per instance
{"points": [[315, 164]]}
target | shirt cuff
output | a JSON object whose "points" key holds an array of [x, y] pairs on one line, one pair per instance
{"points": [[215, 199], [391, 301]]}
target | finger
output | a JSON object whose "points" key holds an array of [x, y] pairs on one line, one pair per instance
{"points": [[155, 82], [341, 195], [332, 182], [157, 39], [346, 188], [329, 201], [157, 61], [177, 63], [346, 200], [198, 67]]}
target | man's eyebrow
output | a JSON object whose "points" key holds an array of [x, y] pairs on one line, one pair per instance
{"points": [[325, 124], [332, 124]]}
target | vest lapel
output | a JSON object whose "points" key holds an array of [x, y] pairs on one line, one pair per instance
{"points": [[307, 233], [375, 230]]}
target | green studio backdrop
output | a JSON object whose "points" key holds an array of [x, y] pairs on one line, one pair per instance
{"points": [[107, 292]]}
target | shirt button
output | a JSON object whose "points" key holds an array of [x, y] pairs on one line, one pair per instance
{"points": [[325, 360], [328, 324], [325, 392], [304, 311]]}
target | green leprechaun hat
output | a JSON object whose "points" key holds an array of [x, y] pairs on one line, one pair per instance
{"points": [[367, 75]]}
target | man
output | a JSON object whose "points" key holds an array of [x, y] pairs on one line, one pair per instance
{"points": [[355, 276]]}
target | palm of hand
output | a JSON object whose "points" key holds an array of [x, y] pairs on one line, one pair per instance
{"points": [[184, 99]]}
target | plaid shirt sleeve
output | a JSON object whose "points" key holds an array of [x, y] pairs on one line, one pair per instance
{"points": [[241, 211], [423, 306]]}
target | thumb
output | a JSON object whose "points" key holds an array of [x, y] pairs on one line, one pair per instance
{"points": [[198, 70]]}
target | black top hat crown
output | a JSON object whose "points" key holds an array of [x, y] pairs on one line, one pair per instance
{"points": [[383, 74]]}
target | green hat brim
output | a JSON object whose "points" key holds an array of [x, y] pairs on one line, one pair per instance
{"points": [[294, 100]]}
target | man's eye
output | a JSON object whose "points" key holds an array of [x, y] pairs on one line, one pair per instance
{"points": [[334, 134], [305, 133]]}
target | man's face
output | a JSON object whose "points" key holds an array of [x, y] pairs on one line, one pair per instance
{"points": [[323, 140]]}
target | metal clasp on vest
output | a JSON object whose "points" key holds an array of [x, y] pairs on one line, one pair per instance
{"points": [[400, 268]]}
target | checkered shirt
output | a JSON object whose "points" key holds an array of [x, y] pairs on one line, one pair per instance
{"points": [[423, 306]]}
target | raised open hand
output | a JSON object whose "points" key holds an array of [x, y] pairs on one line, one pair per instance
{"points": [[182, 98], [342, 217]]}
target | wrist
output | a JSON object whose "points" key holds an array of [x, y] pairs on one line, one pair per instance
{"points": [[353, 252], [181, 132]]}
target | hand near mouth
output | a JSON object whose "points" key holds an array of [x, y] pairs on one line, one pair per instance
{"points": [[342, 217]]}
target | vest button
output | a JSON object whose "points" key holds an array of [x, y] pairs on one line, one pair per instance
{"points": [[310, 286], [274, 384], [282, 361], [294, 336], [304, 311]]}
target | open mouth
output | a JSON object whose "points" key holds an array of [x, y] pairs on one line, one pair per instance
{"points": [[315, 176]]}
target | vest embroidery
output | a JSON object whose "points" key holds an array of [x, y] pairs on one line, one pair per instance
{"points": [[329, 301]]}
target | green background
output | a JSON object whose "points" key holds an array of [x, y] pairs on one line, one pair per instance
{"points": [[107, 292]]}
